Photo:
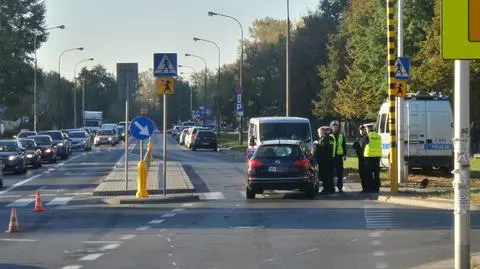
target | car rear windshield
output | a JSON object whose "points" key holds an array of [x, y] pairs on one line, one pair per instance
{"points": [[28, 144], [77, 134], [278, 151], [25, 134], [42, 140], [53, 135], [207, 134], [105, 132]]}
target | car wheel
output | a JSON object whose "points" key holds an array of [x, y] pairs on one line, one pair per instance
{"points": [[249, 193], [311, 191], [64, 157]]}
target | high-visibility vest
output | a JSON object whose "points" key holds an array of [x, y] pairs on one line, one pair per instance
{"points": [[333, 142], [339, 143], [374, 146]]}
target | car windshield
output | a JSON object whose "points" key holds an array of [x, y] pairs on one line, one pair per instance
{"points": [[77, 135], [42, 140], [121, 129], [278, 151], [28, 144], [53, 135], [105, 132], [8, 146], [285, 130], [25, 134]]}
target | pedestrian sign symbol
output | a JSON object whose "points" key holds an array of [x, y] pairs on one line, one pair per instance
{"points": [[165, 85], [165, 64], [402, 68], [400, 88]]}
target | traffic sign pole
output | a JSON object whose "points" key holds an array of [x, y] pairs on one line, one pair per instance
{"points": [[391, 94], [461, 181], [164, 145], [400, 102]]}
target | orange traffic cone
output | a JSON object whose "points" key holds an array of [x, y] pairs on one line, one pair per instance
{"points": [[38, 203], [13, 225]]}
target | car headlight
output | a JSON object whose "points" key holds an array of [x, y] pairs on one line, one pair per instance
{"points": [[29, 155], [12, 158], [109, 138], [60, 144], [48, 150]]}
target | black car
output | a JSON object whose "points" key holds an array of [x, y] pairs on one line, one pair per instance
{"points": [[206, 140], [61, 141], [282, 165], [47, 146], [34, 153], [121, 131], [13, 156]]}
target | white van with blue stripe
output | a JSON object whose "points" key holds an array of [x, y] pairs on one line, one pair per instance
{"points": [[427, 132]]}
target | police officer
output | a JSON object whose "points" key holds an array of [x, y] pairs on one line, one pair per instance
{"points": [[359, 147], [323, 151], [373, 153], [340, 153]]}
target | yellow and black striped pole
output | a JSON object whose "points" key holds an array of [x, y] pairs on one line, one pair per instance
{"points": [[391, 95]]}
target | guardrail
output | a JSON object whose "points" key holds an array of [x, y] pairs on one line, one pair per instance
{"points": [[142, 172]]}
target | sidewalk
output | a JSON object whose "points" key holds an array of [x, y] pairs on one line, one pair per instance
{"points": [[448, 264]]}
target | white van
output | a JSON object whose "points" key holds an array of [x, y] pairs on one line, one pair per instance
{"points": [[271, 128], [427, 132]]}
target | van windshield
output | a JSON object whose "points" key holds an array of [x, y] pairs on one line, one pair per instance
{"points": [[285, 130]]}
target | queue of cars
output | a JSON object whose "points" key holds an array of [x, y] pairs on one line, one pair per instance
{"points": [[195, 137]]}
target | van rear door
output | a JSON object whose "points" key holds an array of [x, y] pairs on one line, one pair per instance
{"points": [[415, 123], [439, 128]]}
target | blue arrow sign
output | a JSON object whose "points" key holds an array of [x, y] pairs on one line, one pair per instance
{"points": [[141, 127]]}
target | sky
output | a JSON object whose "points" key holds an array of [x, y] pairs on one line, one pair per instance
{"points": [[119, 31]]}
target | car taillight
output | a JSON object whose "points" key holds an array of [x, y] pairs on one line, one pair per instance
{"points": [[254, 164], [302, 163]]}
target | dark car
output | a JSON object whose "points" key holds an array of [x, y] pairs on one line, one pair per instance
{"points": [[281, 165], [205, 139], [62, 143], [80, 140], [25, 134], [121, 131], [47, 146], [34, 153], [13, 156]]}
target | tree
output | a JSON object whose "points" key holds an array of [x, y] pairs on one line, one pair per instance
{"points": [[20, 21]]}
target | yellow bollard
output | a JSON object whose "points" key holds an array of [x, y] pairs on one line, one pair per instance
{"points": [[142, 180]]}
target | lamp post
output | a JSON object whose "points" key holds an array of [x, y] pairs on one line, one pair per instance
{"points": [[59, 78], [35, 115], [211, 13], [205, 85], [75, 94], [287, 64], [218, 80]]}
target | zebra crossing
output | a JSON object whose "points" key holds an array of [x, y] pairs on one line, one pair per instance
{"points": [[25, 202], [380, 217]]}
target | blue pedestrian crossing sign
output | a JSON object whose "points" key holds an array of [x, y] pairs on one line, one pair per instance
{"points": [[402, 68], [141, 127], [165, 64]]}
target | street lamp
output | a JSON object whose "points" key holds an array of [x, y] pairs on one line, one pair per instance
{"points": [[205, 96], [75, 94], [59, 78], [287, 64], [211, 13], [218, 80], [35, 116]]}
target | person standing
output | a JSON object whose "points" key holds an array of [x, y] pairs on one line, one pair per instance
{"points": [[323, 151], [372, 154], [340, 153], [359, 147]]}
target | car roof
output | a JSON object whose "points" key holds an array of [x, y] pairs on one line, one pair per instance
{"points": [[280, 119], [26, 139], [49, 131], [8, 140], [281, 142], [40, 135]]}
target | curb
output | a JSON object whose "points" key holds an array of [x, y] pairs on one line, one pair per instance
{"points": [[446, 264], [436, 203], [152, 200], [133, 192]]}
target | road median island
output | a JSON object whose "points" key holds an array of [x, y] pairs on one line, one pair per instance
{"points": [[179, 186]]}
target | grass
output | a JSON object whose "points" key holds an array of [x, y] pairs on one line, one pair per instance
{"points": [[231, 141]]}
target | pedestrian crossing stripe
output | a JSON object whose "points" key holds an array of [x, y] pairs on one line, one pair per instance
{"points": [[400, 70], [165, 66]]}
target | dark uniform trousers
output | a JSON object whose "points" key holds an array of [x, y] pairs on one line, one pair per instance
{"points": [[373, 173]]}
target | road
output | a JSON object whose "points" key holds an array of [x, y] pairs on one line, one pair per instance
{"points": [[222, 230]]}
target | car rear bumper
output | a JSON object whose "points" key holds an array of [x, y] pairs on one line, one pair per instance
{"points": [[295, 183], [206, 146]]}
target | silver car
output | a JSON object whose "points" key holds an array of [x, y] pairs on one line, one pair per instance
{"points": [[80, 140], [106, 137]]}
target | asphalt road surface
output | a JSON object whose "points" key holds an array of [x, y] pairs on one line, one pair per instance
{"points": [[222, 230]]}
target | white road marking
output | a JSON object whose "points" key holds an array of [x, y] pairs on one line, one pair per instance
{"points": [[172, 246], [168, 215], [41, 188], [75, 174], [381, 265], [187, 205], [156, 221], [72, 267], [379, 253], [78, 193], [178, 209], [307, 251], [18, 240], [376, 243], [44, 195], [170, 254], [211, 196], [91, 257], [60, 201], [248, 227], [143, 228], [174, 263], [376, 234], [110, 247], [268, 260], [101, 242], [10, 196], [20, 183], [169, 240], [127, 237], [21, 202]]}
